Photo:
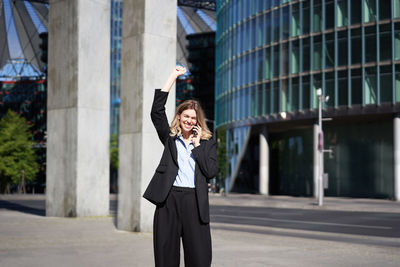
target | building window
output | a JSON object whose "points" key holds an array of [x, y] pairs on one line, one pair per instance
{"points": [[329, 51], [306, 54], [254, 103], [370, 44], [386, 88], [355, 11], [342, 48], [343, 92], [317, 84], [285, 58], [330, 88], [370, 86], [260, 98], [341, 13], [396, 8], [317, 53], [285, 23], [267, 99], [260, 30], [384, 10], [397, 41], [275, 93], [317, 16], [329, 15], [267, 63], [306, 17], [356, 86], [385, 42], [259, 67], [369, 10], [277, 24], [306, 92], [268, 28], [276, 61], [295, 20], [285, 96], [356, 46], [397, 82], [295, 59], [295, 94]]}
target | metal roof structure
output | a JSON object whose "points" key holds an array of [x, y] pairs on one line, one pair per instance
{"points": [[21, 22], [19, 69]]}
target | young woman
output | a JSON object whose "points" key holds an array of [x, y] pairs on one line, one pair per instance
{"points": [[179, 186]]}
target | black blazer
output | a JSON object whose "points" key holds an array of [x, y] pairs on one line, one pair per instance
{"points": [[205, 156]]}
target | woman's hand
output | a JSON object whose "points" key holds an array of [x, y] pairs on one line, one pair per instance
{"points": [[196, 135], [178, 71]]}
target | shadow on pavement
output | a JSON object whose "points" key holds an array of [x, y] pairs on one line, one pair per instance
{"points": [[38, 207], [25, 206]]}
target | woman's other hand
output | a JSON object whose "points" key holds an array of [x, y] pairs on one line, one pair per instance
{"points": [[196, 135]]}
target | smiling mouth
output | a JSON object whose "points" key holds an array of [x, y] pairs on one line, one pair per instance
{"points": [[187, 125]]}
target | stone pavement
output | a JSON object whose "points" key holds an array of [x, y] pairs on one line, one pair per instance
{"points": [[28, 239]]}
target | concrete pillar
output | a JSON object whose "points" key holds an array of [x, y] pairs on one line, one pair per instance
{"points": [[315, 159], [148, 57], [264, 162], [396, 149], [78, 108]]}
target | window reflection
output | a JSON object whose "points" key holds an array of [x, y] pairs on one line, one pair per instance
{"points": [[341, 13], [370, 86], [369, 10], [329, 51], [317, 16]]}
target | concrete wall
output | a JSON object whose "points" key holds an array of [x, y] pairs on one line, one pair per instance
{"points": [[78, 108]]}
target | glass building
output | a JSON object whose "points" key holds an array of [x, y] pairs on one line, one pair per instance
{"points": [[271, 58], [115, 64]]}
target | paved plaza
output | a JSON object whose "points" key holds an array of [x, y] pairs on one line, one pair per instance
{"points": [[27, 238]]}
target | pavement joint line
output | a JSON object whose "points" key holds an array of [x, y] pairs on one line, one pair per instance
{"points": [[278, 230], [306, 222]]}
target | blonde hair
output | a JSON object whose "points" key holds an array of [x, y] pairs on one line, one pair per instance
{"points": [[175, 127]]}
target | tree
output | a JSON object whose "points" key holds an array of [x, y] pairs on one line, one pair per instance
{"points": [[222, 158], [114, 152], [17, 156], [114, 163]]}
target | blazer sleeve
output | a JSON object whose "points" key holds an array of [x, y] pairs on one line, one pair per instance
{"points": [[158, 116], [206, 157]]}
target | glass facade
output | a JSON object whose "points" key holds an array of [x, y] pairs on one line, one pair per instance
{"points": [[282, 51], [115, 64], [272, 56]]}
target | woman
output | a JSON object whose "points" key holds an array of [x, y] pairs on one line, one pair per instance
{"points": [[179, 186]]}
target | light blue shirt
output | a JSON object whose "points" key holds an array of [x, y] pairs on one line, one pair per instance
{"points": [[186, 163]]}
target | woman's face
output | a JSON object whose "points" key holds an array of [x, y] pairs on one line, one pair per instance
{"points": [[187, 120]]}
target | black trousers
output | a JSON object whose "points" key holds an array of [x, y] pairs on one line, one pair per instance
{"points": [[179, 218]]}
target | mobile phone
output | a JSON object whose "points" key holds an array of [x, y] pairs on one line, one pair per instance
{"points": [[194, 132]]}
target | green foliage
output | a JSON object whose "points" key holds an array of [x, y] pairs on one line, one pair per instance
{"points": [[114, 152], [16, 151], [222, 158]]}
